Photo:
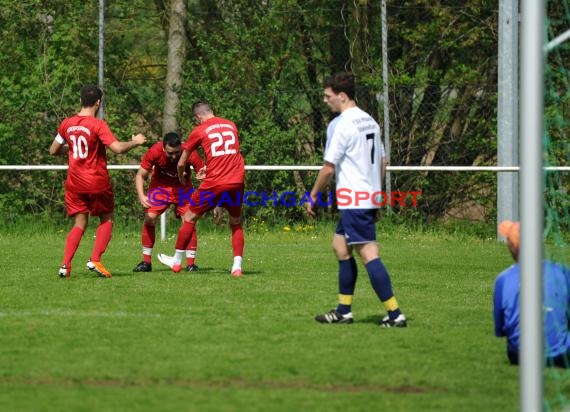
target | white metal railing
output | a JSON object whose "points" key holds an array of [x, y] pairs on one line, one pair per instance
{"points": [[304, 167]]}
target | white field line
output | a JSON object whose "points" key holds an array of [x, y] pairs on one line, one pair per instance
{"points": [[82, 314]]}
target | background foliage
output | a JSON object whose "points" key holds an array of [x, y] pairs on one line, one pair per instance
{"points": [[261, 64]]}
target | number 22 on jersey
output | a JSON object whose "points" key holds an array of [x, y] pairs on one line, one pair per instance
{"points": [[222, 143]]}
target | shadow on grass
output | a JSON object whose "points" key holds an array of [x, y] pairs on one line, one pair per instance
{"points": [[375, 319], [201, 271], [369, 319]]}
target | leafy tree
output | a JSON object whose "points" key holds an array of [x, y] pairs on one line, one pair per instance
{"points": [[260, 64]]}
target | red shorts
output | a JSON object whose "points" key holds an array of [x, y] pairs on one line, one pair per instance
{"points": [[160, 198], [228, 196], [96, 204]]}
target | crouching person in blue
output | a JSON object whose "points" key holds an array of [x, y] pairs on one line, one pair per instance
{"points": [[556, 300]]}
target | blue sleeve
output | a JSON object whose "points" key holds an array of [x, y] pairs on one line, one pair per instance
{"points": [[498, 313], [567, 277]]}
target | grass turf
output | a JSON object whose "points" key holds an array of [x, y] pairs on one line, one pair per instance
{"points": [[205, 341]]}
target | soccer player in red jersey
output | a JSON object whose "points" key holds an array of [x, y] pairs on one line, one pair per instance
{"points": [[223, 185], [161, 162], [88, 188]]}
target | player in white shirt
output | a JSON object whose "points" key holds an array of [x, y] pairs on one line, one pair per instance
{"points": [[362, 158], [355, 155]]}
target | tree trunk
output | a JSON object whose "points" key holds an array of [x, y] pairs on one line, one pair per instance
{"points": [[176, 52]]}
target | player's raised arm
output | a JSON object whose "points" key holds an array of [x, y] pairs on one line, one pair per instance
{"points": [[123, 147]]}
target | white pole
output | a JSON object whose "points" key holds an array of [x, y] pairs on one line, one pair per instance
{"points": [[163, 226], [101, 68], [507, 111], [557, 41], [386, 98], [532, 214]]}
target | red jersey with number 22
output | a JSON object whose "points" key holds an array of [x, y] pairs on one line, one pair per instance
{"points": [[220, 141], [87, 138]]}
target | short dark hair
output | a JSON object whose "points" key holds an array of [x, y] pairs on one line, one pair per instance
{"points": [[89, 95], [341, 82], [201, 107], [171, 139]]}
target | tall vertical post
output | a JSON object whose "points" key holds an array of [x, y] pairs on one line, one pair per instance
{"points": [[386, 97], [532, 213], [507, 111], [101, 66]]}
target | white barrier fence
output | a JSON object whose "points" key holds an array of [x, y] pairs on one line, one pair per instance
{"points": [[495, 169], [304, 167]]}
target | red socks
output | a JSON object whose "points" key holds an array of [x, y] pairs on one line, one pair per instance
{"points": [[102, 239], [184, 235], [237, 239], [191, 249], [148, 236], [147, 241], [71, 244]]}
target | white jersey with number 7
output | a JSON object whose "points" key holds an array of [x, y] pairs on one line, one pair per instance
{"points": [[355, 149]]}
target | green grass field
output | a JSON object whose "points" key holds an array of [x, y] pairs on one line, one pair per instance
{"points": [[208, 342]]}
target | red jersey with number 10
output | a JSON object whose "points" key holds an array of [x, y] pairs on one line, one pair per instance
{"points": [[87, 138], [220, 141]]}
